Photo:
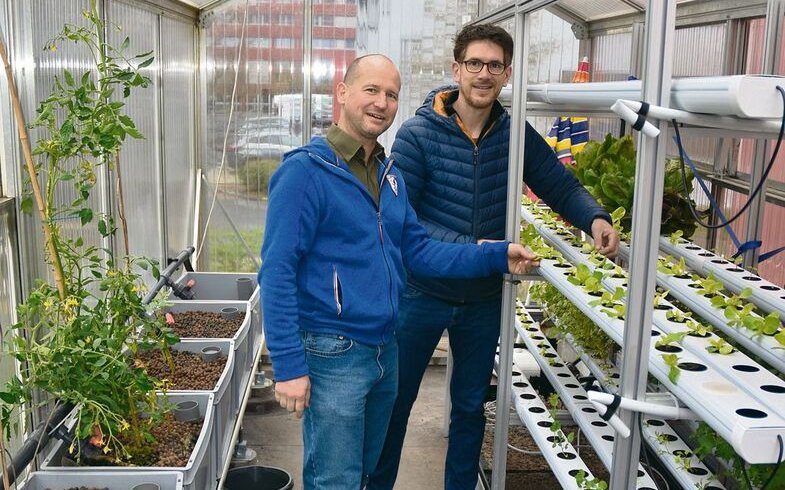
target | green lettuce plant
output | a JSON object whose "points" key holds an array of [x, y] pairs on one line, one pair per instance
{"points": [[607, 170]]}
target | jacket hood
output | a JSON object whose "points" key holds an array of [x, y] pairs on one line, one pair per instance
{"points": [[433, 107], [317, 146]]}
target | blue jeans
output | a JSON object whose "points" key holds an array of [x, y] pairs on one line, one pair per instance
{"points": [[473, 333], [353, 388]]}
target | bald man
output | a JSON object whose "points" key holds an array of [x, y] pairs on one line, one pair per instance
{"points": [[340, 235]]}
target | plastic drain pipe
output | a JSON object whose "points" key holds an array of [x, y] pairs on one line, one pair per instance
{"points": [[602, 401]]}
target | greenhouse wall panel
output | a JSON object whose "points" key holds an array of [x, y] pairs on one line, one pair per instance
{"points": [[610, 57], [140, 159], [179, 129]]}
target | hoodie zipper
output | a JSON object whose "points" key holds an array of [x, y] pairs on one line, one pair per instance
{"points": [[476, 197], [381, 242], [337, 293], [380, 228]]}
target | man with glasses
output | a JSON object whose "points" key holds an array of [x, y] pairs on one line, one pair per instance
{"points": [[453, 155]]}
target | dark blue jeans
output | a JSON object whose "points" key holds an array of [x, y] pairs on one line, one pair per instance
{"points": [[352, 392], [473, 333]]}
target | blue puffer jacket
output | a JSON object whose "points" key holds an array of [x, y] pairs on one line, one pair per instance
{"points": [[333, 261], [459, 189]]}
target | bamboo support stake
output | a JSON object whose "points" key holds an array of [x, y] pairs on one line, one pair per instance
{"points": [[28, 155]]}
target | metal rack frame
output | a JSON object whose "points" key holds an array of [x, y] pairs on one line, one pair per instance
{"points": [[659, 37]]}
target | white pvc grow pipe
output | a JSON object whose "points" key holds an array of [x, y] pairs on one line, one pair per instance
{"points": [[729, 411], [748, 376], [747, 96], [599, 434], [593, 427], [766, 295], [531, 412]]}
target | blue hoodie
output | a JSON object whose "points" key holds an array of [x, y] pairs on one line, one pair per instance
{"points": [[335, 262]]}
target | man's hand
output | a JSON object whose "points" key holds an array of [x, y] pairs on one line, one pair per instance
{"points": [[294, 395], [606, 239], [520, 259]]}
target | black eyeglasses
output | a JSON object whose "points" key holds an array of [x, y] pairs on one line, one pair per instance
{"points": [[476, 66]]}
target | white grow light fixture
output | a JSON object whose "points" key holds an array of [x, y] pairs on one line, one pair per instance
{"points": [[747, 96]]}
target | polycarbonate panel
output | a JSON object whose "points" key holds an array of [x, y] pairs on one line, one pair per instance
{"points": [[699, 51], [334, 45], [611, 56], [486, 6], [140, 159], [178, 60], [730, 203], [773, 237], [8, 291], [772, 269], [553, 49], [254, 115], [5, 110], [35, 23], [598, 9]]}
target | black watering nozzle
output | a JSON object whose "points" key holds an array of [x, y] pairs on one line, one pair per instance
{"points": [[182, 291]]}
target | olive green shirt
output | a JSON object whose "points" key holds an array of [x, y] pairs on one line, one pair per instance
{"points": [[353, 153]]}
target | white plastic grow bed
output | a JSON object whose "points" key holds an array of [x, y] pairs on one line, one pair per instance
{"points": [[222, 286], [243, 347], [198, 473], [64, 480]]}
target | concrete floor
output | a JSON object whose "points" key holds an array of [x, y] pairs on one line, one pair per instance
{"points": [[276, 437]]}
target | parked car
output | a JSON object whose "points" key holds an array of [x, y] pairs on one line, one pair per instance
{"points": [[263, 124], [265, 146]]}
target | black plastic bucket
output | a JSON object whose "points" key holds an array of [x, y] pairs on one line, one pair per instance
{"points": [[258, 478]]}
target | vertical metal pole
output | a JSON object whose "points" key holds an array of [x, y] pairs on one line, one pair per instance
{"points": [[107, 176], [307, 62], [646, 214], [774, 14], [163, 226], [514, 183], [204, 90]]}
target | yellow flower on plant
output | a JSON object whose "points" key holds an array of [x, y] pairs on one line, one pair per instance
{"points": [[69, 308]]}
